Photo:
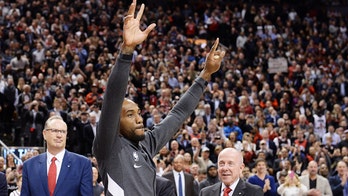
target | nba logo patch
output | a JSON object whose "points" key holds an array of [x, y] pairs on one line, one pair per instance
{"points": [[135, 156]]}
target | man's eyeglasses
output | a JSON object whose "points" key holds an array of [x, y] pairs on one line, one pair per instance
{"points": [[56, 131]]}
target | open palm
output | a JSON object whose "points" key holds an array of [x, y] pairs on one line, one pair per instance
{"points": [[132, 34]]}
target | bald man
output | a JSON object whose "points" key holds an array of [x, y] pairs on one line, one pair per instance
{"points": [[230, 165], [315, 183]]}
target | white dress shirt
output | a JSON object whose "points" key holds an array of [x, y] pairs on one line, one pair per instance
{"points": [[176, 178], [232, 187], [58, 162]]}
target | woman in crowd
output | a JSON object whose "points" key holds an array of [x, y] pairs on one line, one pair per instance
{"points": [[10, 162], [292, 186]]}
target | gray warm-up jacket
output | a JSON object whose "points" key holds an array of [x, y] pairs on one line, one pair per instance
{"points": [[127, 168]]}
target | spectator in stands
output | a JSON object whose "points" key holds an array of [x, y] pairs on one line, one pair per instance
{"points": [[246, 173], [212, 177], [338, 182], [34, 125], [268, 142], [17, 192], [93, 96], [98, 188], [189, 185], [315, 183], [324, 171], [262, 179], [334, 136], [344, 142], [235, 143], [89, 132], [10, 161], [282, 140], [265, 152], [203, 159], [230, 126], [292, 186]]}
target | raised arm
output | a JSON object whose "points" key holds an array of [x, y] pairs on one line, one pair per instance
{"points": [[108, 129], [212, 62], [132, 34], [188, 102]]}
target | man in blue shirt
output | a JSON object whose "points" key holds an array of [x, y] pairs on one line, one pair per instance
{"points": [[262, 179]]}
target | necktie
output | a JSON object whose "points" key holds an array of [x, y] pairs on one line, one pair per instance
{"points": [[227, 190], [180, 186], [52, 176]]}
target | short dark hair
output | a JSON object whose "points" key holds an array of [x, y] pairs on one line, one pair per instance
{"points": [[257, 161]]}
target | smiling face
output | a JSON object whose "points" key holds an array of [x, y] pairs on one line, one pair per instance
{"points": [[341, 168], [261, 167], [178, 163], [95, 174], [230, 165], [131, 122]]}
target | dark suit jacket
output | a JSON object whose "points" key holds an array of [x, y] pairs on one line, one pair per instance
{"points": [[35, 136], [242, 189], [80, 128], [335, 183], [164, 187], [191, 188], [3, 185], [88, 137], [29, 119], [75, 177]]}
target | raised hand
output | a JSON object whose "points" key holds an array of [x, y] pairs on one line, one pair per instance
{"points": [[267, 184], [213, 61], [132, 34]]}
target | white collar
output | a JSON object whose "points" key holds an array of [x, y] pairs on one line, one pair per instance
{"points": [[59, 156], [232, 186]]}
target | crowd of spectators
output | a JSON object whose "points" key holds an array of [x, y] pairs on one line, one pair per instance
{"points": [[56, 56]]}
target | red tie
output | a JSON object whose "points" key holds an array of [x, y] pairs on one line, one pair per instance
{"points": [[227, 190], [52, 176]]}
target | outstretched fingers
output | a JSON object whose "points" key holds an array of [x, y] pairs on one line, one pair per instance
{"points": [[130, 13], [213, 51], [131, 9], [140, 13], [216, 43], [149, 28]]}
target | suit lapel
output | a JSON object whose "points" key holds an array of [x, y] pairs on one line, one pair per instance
{"points": [[216, 189], [43, 172], [240, 188], [64, 171]]}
